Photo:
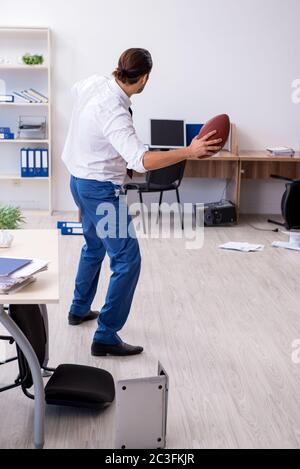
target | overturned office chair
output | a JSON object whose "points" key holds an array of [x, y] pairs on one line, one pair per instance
{"points": [[70, 385], [160, 180], [290, 204]]}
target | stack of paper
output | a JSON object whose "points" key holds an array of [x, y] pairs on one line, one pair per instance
{"points": [[31, 96], [243, 247], [21, 277], [281, 151], [10, 285]]}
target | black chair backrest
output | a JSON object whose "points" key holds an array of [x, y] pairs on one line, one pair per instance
{"points": [[291, 206], [167, 176], [30, 321]]}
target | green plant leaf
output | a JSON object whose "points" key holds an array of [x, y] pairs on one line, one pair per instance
{"points": [[11, 218], [36, 59]]}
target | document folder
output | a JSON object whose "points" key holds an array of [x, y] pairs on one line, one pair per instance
{"points": [[24, 163], [72, 231], [68, 224], [38, 163], [9, 266]]}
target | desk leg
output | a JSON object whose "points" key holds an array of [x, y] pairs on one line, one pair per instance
{"points": [[44, 313], [39, 402]]}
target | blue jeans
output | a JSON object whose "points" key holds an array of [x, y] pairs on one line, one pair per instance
{"points": [[125, 261]]}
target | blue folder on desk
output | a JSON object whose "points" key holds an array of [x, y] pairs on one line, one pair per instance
{"points": [[10, 266], [68, 224], [72, 231]]}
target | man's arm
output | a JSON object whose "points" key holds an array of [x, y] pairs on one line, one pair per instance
{"points": [[200, 148]]}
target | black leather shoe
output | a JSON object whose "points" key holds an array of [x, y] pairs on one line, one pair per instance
{"points": [[77, 320], [120, 350]]}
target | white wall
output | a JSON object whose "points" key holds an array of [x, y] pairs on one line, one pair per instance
{"points": [[234, 56]]}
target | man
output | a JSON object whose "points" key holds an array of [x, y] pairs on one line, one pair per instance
{"points": [[101, 147]]}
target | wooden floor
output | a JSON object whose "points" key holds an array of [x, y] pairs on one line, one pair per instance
{"points": [[222, 324]]}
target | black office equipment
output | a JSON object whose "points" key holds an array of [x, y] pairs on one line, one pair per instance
{"points": [[290, 204], [70, 385], [160, 180], [222, 213], [168, 133]]}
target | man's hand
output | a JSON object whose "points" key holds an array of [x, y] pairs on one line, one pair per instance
{"points": [[203, 147]]}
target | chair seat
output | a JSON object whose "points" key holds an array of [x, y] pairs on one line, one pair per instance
{"points": [[143, 187], [80, 386]]}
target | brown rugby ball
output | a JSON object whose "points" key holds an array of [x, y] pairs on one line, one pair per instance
{"points": [[222, 125]]}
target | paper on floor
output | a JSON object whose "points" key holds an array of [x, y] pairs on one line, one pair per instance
{"points": [[243, 247]]}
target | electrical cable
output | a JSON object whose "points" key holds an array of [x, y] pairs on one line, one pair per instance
{"points": [[263, 229], [228, 184]]}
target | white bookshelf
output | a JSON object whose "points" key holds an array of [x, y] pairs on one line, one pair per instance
{"points": [[17, 177], [19, 141], [30, 68], [23, 104], [31, 194]]}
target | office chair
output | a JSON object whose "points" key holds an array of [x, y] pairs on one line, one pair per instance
{"points": [[290, 205], [160, 180], [11, 341], [70, 385]]}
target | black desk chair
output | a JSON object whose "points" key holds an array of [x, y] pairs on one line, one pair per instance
{"points": [[290, 204], [160, 180], [70, 385], [11, 341]]}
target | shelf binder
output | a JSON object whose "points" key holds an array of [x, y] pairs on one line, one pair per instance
{"points": [[37, 95], [45, 163], [68, 224], [7, 98], [19, 95], [34, 162], [38, 163], [72, 231], [24, 164], [7, 136], [30, 162]]}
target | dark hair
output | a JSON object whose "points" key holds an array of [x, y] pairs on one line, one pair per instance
{"points": [[133, 64]]}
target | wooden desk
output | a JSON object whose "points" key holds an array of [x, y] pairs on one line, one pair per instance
{"points": [[255, 165], [36, 244], [40, 244], [224, 165], [259, 165], [235, 168]]}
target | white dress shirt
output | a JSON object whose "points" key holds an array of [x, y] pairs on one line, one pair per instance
{"points": [[102, 142]]}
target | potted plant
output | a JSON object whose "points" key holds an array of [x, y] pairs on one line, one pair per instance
{"points": [[11, 218], [29, 59]]}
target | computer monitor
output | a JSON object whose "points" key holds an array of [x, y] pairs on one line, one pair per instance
{"points": [[168, 133], [192, 130]]}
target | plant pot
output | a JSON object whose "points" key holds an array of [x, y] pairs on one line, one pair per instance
{"points": [[6, 239]]}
